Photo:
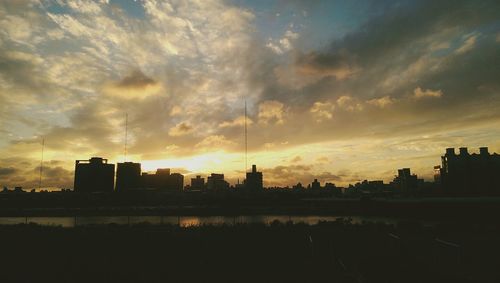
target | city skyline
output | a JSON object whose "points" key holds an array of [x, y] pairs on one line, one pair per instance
{"points": [[338, 92]]}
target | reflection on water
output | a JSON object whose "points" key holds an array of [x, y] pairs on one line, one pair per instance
{"points": [[185, 221]]}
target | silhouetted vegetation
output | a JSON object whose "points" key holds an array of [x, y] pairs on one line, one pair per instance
{"points": [[280, 252]]}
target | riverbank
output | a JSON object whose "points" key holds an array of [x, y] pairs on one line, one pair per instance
{"points": [[337, 251], [71, 205]]}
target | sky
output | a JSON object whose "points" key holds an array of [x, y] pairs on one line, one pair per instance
{"points": [[340, 91]]}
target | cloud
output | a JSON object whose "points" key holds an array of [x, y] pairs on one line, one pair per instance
{"points": [[322, 159], [70, 70], [135, 85], [381, 102], [82, 6], [349, 103], [217, 141], [467, 45], [326, 64], [136, 80], [7, 171], [180, 129], [237, 122], [420, 93], [322, 110], [283, 44], [271, 112]]}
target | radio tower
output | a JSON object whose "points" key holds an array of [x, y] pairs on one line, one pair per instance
{"points": [[126, 136], [246, 138], [41, 164]]}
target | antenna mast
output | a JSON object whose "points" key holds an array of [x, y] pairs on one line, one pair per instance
{"points": [[126, 136], [41, 164], [246, 138]]}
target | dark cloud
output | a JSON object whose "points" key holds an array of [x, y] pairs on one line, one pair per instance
{"points": [[25, 172], [7, 171], [136, 79], [327, 63]]}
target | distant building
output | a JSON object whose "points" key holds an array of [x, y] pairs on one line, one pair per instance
{"points": [[197, 183], [315, 185], [254, 181], [94, 175], [216, 182], [176, 182], [162, 180], [407, 183], [437, 174], [470, 174], [298, 187], [128, 176]]}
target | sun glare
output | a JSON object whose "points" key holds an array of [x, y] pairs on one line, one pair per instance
{"points": [[205, 163]]}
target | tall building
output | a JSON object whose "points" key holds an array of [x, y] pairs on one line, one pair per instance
{"points": [[216, 182], [94, 175], [470, 174], [176, 182], [254, 181], [128, 176], [197, 183]]}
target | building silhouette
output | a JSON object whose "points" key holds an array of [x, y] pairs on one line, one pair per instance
{"points": [[198, 183], [128, 176], [253, 181], [407, 183], [94, 175], [467, 174], [176, 182], [216, 182], [162, 180], [315, 185]]}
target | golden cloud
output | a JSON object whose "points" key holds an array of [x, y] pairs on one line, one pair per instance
{"points": [[422, 93]]}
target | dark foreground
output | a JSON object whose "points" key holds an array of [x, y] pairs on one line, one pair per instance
{"points": [[327, 252]]}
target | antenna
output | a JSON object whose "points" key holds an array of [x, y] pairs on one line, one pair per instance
{"points": [[41, 164], [246, 137], [126, 136]]}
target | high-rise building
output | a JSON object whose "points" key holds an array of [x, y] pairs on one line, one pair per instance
{"points": [[128, 176], [254, 181], [470, 174], [94, 175], [176, 182], [197, 183]]}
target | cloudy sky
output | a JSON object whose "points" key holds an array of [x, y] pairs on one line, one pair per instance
{"points": [[336, 90]]}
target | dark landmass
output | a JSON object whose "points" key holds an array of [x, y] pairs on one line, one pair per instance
{"points": [[281, 252], [234, 204]]}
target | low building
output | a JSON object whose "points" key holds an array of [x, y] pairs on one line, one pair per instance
{"points": [[216, 182], [162, 180]]}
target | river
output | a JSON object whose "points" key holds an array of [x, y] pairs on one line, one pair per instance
{"points": [[186, 221]]}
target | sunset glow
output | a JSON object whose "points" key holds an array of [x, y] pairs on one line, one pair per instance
{"points": [[341, 91]]}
